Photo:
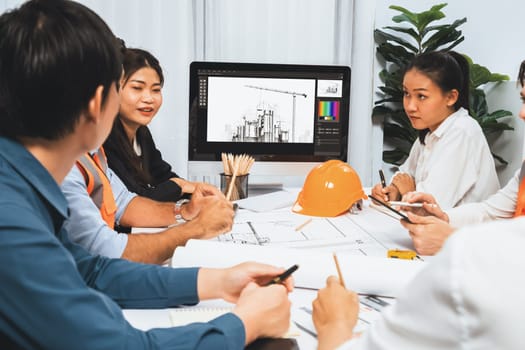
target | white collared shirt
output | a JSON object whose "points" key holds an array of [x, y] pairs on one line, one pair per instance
{"points": [[455, 164], [470, 296], [500, 205]]}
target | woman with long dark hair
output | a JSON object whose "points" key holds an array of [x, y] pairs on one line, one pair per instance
{"points": [[130, 148]]}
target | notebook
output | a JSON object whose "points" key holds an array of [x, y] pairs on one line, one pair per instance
{"points": [[186, 315]]}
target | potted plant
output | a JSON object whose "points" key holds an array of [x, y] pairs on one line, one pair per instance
{"points": [[397, 45]]}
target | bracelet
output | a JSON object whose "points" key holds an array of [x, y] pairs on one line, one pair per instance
{"points": [[178, 210]]}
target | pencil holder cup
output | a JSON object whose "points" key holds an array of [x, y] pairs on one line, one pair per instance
{"points": [[240, 186]]}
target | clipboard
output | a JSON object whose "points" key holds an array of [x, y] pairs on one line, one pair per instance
{"points": [[397, 212]]}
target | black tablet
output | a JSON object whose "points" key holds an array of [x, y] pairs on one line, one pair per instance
{"points": [[400, 214]]}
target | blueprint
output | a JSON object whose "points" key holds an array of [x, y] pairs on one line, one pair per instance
{"points": [[366, 233]]}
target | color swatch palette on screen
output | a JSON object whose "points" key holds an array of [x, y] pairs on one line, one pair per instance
{"points": [[328, 110]]}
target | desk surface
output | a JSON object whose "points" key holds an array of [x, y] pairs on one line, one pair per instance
{"points": [[384, 231], [148, 319]]}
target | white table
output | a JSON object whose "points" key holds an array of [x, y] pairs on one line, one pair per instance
{"points": [[148, 319], [386, 230]]}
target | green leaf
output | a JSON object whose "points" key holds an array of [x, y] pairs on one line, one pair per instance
{"points": [[418, 20], [441, 27], [453, 45], [395, 131], [478, 102], [392, 91], [388, 100], [426, 17], [409, 31], [385, 112], [479, 75], [441, 38], [500, 113], [499, 159], [406, 15], [496, 77], [492, 127], [378, 111], [401, 118], [395, 156], [393, 79], [379, 36], [400, 41], [394, 53]]}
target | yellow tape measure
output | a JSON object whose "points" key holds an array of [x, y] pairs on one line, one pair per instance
{"points": [[402, 254]]}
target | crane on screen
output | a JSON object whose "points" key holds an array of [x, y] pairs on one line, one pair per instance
{"points": [[294, 95]]}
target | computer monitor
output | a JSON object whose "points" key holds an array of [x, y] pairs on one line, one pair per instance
{"points": [[273, 112]]}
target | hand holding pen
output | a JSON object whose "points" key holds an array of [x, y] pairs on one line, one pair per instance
{"points": [[383, 191], [283, 276], [228, 283], [423, 204], [264, 310]]}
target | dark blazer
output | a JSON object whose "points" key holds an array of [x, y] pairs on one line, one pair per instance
{"points": [[160, 188]]}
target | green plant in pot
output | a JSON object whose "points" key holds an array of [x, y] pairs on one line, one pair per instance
{"points": [[397, 46]]}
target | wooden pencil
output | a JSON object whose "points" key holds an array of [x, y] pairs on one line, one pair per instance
{"points": [[340, 275]]}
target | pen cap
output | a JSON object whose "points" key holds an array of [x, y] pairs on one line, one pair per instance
{"points": [[330, 189]]}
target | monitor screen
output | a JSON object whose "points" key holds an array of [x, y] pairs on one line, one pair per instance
{"points": [[274, 112]]}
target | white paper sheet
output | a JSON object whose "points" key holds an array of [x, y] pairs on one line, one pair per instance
{"points": [[269, 201], [363, 274]]}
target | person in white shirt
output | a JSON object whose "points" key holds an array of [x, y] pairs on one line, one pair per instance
{"points": [[430, 226], [469, 297], [451, 157]]}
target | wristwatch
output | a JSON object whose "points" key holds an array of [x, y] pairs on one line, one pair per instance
{"points": [[178, 210]]}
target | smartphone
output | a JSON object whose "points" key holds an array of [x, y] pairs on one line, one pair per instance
{"points": [[403, 216]]}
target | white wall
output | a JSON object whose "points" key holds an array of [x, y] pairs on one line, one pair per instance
{"points": [[493, 38]]}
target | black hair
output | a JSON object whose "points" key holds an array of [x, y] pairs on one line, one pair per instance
{"points": [[447, 69], [118, 144], [53, 56], [521, 74], [136, 59]]}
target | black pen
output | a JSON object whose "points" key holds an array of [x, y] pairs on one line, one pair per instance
{"points": [[382, 177], [283, 275]]}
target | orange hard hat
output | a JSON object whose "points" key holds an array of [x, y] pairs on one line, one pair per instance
{"points": [[330, 189]]}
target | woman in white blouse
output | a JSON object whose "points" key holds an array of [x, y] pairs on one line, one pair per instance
{"points": [[430, 226], [451, 158]]}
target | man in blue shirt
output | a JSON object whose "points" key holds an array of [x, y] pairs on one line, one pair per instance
{"points": [[210, 216], [59, 68]]}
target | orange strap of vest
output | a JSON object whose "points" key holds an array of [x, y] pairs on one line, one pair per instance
{"points": [[108, 206], [520, 203]]}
